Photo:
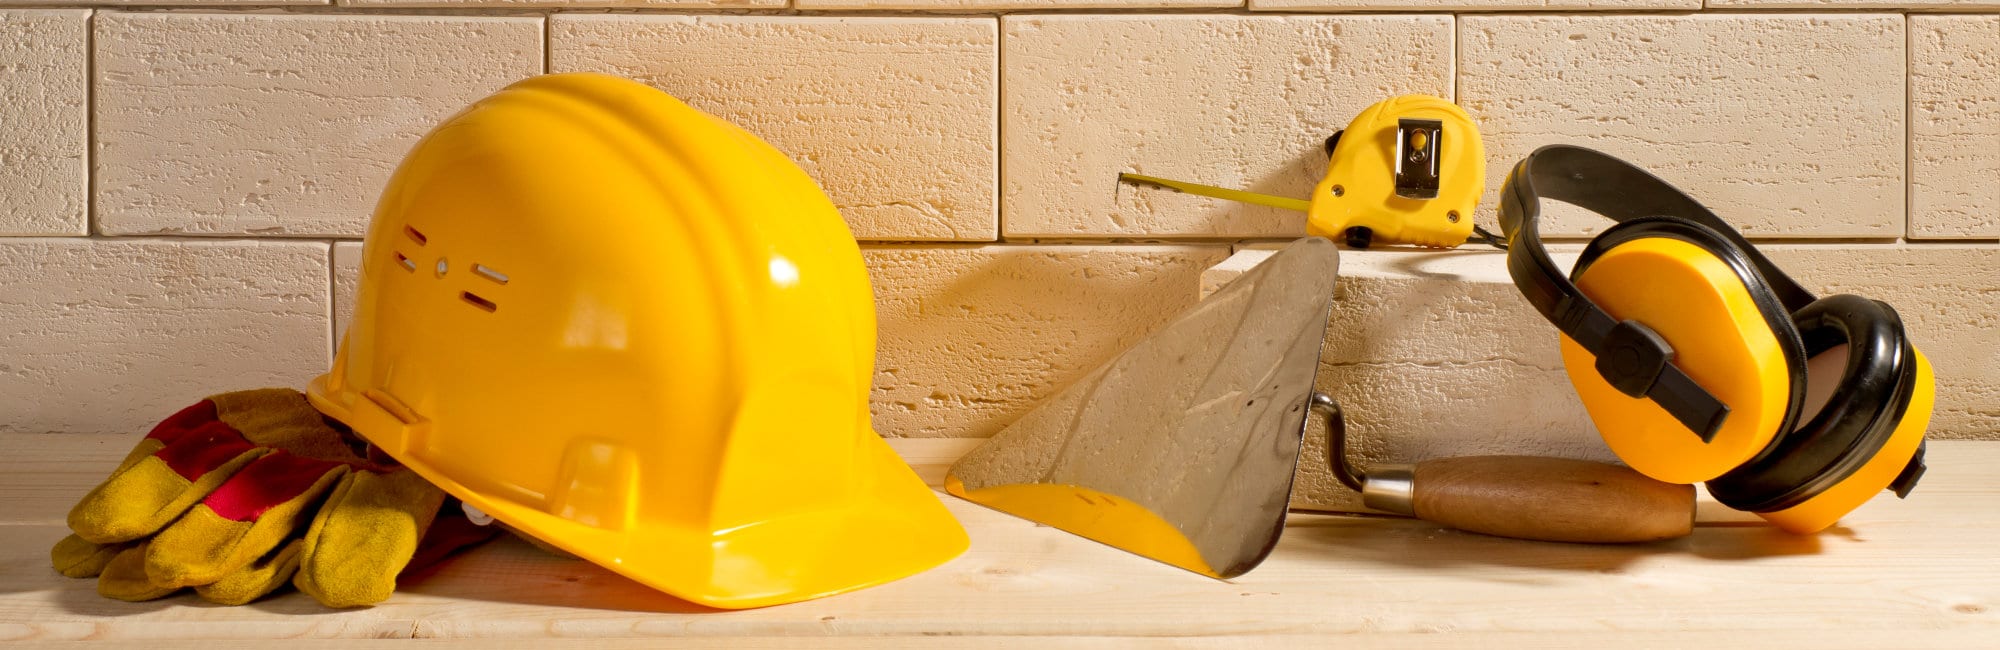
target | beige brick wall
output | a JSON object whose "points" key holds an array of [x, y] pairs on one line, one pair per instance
{"points": [[281, 125], [894, 115], [113, 335], [1787, 125], [184, 187], [1954, 127], [1244, 101]]}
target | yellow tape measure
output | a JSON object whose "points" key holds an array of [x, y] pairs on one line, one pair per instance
{"points": [[1408, 170]]}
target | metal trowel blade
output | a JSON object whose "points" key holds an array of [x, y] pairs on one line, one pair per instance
{"points": [[1181, 448]]}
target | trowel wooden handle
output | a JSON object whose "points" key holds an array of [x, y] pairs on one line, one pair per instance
{"points": [[1553, 499]]}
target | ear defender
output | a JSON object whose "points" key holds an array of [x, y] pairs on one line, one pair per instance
{"points": [[1699, 360], [1868, 401], [1687, 284]]}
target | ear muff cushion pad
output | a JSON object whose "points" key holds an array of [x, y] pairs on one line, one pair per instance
{"points": [[1728, 331], [1863, 410]]}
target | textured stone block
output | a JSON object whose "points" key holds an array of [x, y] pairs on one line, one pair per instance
{"points": [[995, 5], [1474, 5], [43, 122], [1416, 306], [1237, 101], [1954, 126], [973, 338], [895, 117], [1788, 125], [1931, 5], [167, 3], [572, 4], [276, 124], [113, 336]]}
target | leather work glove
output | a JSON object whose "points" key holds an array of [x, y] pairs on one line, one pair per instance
{"points": [[245, 491]]}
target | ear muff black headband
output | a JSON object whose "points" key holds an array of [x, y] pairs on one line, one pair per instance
{"points": [[1858, 418], [1633, 358]]}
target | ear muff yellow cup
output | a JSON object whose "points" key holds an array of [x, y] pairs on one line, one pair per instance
{"points": [[637, 333], [1868, 389], [1699, 360], [1688, 284]]}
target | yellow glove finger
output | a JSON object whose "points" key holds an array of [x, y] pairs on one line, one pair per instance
{"points": [[124, 578], [256, 580], [77, 557], [184, 458], [254, 512], [365, 533]]}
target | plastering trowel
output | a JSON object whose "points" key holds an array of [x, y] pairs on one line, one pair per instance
{"points": [[1182, 448]]}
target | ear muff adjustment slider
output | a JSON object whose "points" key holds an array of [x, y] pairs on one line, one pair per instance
{"points": [[1633, 358]]}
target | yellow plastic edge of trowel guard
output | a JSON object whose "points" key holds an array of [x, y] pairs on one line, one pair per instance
{"points": [[1364, 169], [1108, 519]]}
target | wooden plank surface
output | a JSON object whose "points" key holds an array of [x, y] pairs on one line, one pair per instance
{"points": [[1920, 572], [1456, 640]]}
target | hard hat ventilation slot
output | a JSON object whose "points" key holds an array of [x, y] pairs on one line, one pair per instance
{"points": [[405, 262], [415, 236], [487, 272], [477, 301]]}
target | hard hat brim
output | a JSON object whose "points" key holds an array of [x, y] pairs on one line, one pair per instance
{"points": [[895, 527]]}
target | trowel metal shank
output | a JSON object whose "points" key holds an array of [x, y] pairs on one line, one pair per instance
{"points": [[1181, 448]]}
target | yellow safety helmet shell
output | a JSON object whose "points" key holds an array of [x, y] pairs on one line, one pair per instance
{"points": [[640, 334]]}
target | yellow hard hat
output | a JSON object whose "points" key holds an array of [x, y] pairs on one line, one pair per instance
{"points": [[637, 333]]}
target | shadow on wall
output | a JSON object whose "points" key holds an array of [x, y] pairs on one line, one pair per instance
{"points": [[972, 337]]}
